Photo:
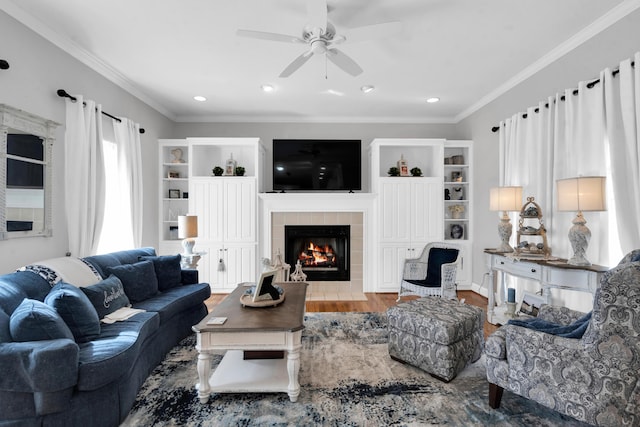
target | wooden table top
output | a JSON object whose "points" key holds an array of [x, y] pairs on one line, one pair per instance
{"points": [[287, 316]]}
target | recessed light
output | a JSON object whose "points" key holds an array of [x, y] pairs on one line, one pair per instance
{"points": [[267, 88], [432, 100], [199, 98], [367, 88]]}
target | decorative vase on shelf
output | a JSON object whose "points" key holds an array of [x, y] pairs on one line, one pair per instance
{"points": [[403, 166]]}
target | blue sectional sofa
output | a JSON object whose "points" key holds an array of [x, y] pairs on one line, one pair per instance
{"points": [[60, 364]]}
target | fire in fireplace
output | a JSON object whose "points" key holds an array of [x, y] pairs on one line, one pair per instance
{"points": [[323, 250]]}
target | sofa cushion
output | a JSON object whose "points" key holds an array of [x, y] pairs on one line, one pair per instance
{"points": [[101, 262], [5, 333], [110, 356], [76, 310], [34, 320], [168, 270], [174, 301], [437, 257], [139, 279], [107, 296]]}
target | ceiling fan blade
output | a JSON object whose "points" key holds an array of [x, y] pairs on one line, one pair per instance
{"points": [[372, 32], [344, 62], [269, 36], [317, 14], [297, 63]]}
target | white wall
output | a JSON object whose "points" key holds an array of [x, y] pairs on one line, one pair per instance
{"points": [[607, 49], [37, 70]]}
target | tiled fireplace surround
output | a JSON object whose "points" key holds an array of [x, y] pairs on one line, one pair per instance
{"points": [[279, 210]]}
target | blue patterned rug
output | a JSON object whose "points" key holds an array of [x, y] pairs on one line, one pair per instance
{"points": [[346, 378]]}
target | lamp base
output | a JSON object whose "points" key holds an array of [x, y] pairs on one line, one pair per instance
{"points": [[504, 231], [187, 245], [579, 236]]}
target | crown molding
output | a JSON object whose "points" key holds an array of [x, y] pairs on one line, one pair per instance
{"points": [[596, 27], [81, 54], [313, 119]]}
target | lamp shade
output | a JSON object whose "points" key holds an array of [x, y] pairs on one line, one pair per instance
{"points": [[505, 199], [584, 193], [187, 226]]}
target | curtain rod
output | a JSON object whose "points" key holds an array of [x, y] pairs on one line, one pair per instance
{"points": [[590, 85], [63, 94]]}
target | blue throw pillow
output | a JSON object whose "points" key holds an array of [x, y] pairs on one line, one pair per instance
{"points": [[139, 279], [76, 310], [107, 296], [168, 270], [5, 333], [437, 257], [34, 320]]}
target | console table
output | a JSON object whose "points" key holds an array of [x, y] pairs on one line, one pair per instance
{"points": [[552, 273]]}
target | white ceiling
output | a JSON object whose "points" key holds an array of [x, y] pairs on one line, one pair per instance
{"points": [[466, 52]]}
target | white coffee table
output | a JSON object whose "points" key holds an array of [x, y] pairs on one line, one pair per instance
{"points": [[248, 332]]}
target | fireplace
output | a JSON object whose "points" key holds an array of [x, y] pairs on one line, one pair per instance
{"points": [[323, 250]]}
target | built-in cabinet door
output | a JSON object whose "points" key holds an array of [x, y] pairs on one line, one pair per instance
{"points": [[206, 201], [390, 266], [239, 204], [230, 265], [410, 209], [395, 210]]}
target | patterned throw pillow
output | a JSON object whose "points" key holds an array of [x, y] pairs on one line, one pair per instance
{"points": [[107, 296], [34, 320], [76, 310], [139, 279]]}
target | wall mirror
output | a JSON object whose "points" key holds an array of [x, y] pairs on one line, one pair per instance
{"points": [[26, 143]]}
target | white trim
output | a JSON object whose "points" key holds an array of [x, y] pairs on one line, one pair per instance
{"points": [[313, 119]]}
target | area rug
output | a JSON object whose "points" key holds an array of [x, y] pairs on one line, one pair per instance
{"points": [[347, 379]]}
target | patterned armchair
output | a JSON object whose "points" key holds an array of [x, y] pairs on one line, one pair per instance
{"points": [[596, 378], [433, 273]]}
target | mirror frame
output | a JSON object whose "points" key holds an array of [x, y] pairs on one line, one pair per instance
{"points": [[13, 119]]}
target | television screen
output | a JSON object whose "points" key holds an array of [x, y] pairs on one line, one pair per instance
{"points": [[316, 164]]}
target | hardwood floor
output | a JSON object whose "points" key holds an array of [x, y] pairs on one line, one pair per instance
{"points": [[376, 303]]}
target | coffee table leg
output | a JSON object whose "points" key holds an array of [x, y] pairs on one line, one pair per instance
{"points": [[293, 368], [204, 372]]}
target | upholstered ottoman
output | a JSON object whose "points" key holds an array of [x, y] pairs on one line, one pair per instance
{"points": [[439, 336]]}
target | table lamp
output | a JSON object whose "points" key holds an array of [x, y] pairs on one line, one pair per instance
{"points": [[505, 199], [584, 193], [187, 230]]}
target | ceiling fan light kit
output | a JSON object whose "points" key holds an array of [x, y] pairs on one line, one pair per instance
{"points": [[321, 38]]}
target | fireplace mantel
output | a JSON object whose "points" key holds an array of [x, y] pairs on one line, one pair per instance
{"points": [[271, 203]]}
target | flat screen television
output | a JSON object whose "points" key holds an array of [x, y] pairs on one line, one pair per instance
{"points": [[317, 165]]}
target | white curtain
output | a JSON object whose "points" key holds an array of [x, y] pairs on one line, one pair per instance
{"points": [[84, 175], [127, 138], [622, 96]]}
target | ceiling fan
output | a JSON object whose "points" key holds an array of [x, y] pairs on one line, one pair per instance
{"points": [[321, 38]]}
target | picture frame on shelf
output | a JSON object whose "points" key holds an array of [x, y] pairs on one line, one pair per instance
{"points": [[174, 194], [456, 231], [173, 174], [456, 176]]}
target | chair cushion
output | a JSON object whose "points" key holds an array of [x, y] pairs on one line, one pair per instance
{"points": [[139, 279], [437, 257], [76, 310], [168, 270], [107, 296], [34, 320]]}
